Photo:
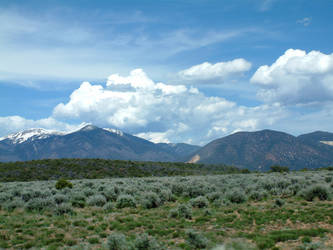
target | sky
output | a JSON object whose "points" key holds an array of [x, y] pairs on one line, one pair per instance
{"points": [[167, 71]]}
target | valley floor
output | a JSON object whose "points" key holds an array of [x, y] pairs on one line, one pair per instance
{"points": [[252, 211]]}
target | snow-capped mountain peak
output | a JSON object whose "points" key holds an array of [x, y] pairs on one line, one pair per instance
{"points": [[115, 131], [88, 127], [40, 133], [30, 134]]}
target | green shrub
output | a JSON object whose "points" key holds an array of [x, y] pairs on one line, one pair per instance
{"points": [[151, 200], [16, 192], [26, 196], [306, 239], [214, 196], [195, 190], [4, 197], [88, 192], [37, 194], [64, 208], [221, 202], [11, 205], [258, 195], [79, 204], [196, 240], [316, 191], [199, 202], [78, 196], [207, 212], [144, 242], [60, 198], [117, 241], [93, 240], [173, 213], [62, 183], [78, 200], [265, 243], [166, 195], [178, 188], [96, 200], [39, 204], [236, 196], [328, 179], [279, 202], [80, 223], [66, 191], [182, 211], [125, 200], [111, 194]]}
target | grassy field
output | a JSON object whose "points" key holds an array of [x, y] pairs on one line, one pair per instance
{"points": [[235, 211]]}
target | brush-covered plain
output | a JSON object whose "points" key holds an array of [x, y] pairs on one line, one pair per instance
{"points": [[234, 211], [53, 169]]}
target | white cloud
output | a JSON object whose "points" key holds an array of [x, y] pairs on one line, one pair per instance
{"points": [[156, 137], [172, 113], [137, 79], [13, 124], [161, 112], [305, 21], [218, 71], [296, 77]]}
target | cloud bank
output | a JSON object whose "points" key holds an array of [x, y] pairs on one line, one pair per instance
{"points": [[296, 77], [296, 93], [161, 112]]}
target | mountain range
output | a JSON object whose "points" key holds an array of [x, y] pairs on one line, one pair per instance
{"points": [[88, 142], [253, 150]]}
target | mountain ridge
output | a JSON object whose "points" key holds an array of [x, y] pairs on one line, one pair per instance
{"points": [[261, 149], [87, 142], [256, 150]]}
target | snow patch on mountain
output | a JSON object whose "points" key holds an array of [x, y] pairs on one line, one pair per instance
{"points": [[88, 128], [115, 131], [31, 134], [40, 133]]}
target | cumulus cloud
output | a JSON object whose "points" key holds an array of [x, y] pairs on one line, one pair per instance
{"points": [[177, 113], [296, 77], [156, 137], [218, 71], [161, 112]]}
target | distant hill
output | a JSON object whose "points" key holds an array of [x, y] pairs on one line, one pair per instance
{"points": [[88, 142], [262, 149]]}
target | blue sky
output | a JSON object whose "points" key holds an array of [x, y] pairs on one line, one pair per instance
{"points": [[173, 71]]}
